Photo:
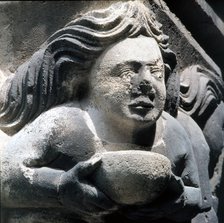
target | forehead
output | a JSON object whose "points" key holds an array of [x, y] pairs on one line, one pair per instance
{"points": [[141, 49]]}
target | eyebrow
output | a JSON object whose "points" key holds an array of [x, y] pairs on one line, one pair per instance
{"points": [[139, 63], [136, 64], [155, 62], [132, 63]]}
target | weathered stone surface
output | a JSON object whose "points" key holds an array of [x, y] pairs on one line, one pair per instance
{"points": [[107, 84], [133, 177], [204, 23], [201, 95], [188, 50]]}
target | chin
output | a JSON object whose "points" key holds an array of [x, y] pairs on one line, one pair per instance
{"points": [[148, 118], [136, 119], [141, 122]]}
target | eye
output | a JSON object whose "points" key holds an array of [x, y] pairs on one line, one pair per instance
{"points": [[157, 71], [126, 69], [127, 73], [122, 70]]}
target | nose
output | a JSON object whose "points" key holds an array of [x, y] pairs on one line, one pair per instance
{"points": [[143, 83], [145, 75]]}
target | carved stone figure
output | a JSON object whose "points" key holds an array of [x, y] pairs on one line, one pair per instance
{"points": [[202, 98], [92, 99], [201, 95]]}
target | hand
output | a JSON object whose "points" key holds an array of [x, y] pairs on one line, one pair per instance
{"points": [[170, 202], [81, 197]]}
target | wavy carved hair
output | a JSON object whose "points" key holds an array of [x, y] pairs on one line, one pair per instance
{"points": [[201, 90], [46, 80]]}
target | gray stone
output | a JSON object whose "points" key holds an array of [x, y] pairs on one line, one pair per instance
{"points": [[133, 177], [104, 84], [204, 20], [202, 98]]}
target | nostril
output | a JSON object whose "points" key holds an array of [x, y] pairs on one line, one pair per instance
{"points": [[151, 96], [144, 83], [145, 87], [135, 91]]}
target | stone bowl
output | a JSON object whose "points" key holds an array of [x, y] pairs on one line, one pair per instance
{"points": [[133, 176]]}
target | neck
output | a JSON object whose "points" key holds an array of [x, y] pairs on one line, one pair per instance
{"points": [[108, 129], [145, 136], [112, 130]]}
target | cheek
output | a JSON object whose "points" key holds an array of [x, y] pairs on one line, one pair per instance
{"points": [[111, 94], [161, 91], [113, 86]]}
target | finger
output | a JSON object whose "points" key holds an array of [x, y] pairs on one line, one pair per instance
{"points": [[176, 184], [88, 167], [100, 200]]}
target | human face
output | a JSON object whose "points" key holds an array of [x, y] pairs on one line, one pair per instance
{"points": [[127, 81]]}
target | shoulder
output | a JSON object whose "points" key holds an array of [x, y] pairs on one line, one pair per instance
{"points": [[195, 134], [173, 128], [36, 139], [191, 127], [175, 137], [62, 129], [59, 116], [62, 113], [52, 123]]}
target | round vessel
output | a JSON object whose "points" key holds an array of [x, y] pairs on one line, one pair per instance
{"points": [[133, 176]]}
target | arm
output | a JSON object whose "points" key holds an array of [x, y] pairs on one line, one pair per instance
{"points": [[185, 169], [33, 173], [182, 199], [192, 196], [24, 168], [201, 152]]}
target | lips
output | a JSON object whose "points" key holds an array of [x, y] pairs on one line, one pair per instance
{"points": [[141, 105]]}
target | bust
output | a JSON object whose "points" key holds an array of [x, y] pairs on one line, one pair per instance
{"points": [[97, 86]]}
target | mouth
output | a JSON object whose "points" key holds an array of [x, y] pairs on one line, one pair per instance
{"points": [[141, 106]]}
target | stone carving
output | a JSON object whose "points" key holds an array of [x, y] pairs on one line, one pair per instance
{"points": [[93, 97], [201, 97], [133, 177]]}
